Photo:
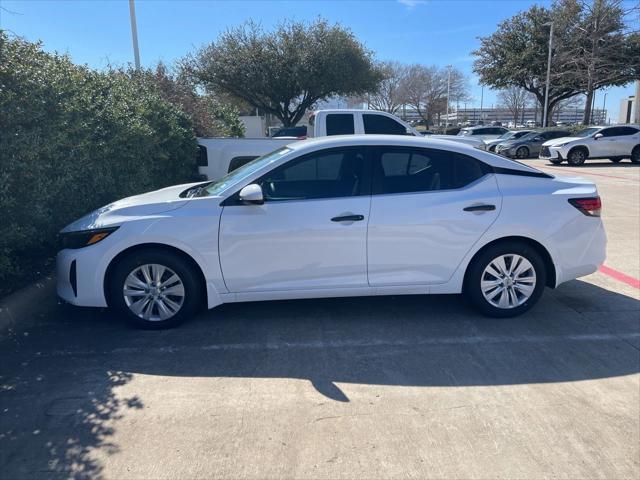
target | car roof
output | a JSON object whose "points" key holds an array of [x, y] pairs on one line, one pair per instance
{"points": [[311, 145]]}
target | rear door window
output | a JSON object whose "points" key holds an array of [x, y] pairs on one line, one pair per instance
{"points": [[404, 170], [382, 124], [340, 124]]}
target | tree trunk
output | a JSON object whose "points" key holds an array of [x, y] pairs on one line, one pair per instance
{"points": [[586, 119]]}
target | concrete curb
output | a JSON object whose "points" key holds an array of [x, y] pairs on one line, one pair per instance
{"points": [[25, 304]]}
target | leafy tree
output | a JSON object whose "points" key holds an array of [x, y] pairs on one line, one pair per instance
{"points": [[516, 54], [604, 51], [286, 71], [211, 117], [74, 139], [590, 51]]}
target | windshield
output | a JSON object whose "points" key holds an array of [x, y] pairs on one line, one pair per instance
{"points": [[506, 135], [586, 132], [237, 175], [530, 136]]}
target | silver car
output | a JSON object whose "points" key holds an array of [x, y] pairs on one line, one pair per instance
{"points": [[528, 145]]}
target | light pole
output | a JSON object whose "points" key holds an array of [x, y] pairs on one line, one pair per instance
{"points": [[481, 100], [546, 87], [134, 33], [604, 102], [446, 122]]}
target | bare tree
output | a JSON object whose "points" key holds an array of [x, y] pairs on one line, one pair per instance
{"points": [[391, 94], [426, 90], [513, 99]]}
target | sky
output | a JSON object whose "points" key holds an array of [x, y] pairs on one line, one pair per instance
{"points": [[432, 32]]}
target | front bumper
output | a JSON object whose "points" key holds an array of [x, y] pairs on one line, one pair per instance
{"points": [[550, 153], [79, 277]]}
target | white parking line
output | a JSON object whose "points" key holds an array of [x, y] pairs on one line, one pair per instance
{"points": [[474, 340]]}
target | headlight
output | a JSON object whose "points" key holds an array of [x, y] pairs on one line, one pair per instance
{"points": [[561, 144], [85, 237]]}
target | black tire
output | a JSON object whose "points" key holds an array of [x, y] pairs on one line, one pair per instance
{"points": [[476, 272], [635, 154], [615, 160], [556, 161], [522, 152], [174, 263], [577, 157]]}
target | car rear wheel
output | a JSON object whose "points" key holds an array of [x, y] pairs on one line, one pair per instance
{"points": [[635, 154], [522, 152], [506, 279], [577, 157], [154, 289]]}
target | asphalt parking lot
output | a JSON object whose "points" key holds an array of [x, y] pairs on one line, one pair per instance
{"points": [[387, 387]]}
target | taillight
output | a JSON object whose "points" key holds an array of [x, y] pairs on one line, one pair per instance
{"points": [[589, 206]]}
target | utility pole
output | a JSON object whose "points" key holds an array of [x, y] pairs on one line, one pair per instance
{"points": [[546, 87], [481, 100], [134, 33], [604, 103], [446, 122]]}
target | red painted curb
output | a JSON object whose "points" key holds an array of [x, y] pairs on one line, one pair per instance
{"points": [[621, 277]]}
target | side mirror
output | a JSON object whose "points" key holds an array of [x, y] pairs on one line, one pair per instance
{"points": [[597, 136], [252, 194], [538, 139]]}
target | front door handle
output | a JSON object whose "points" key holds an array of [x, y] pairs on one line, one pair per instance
{"points": [[479, 208], [348, 218]]}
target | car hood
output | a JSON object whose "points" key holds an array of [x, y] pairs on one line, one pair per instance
{"points": [[132, 208], [558, 141]]}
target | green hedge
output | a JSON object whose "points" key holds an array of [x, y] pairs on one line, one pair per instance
{"points": [[73, 139]]}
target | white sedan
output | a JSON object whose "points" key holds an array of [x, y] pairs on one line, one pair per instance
{"points": [[338, 216]]}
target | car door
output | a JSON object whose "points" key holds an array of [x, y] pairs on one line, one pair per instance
{"points": [[606, 146], [428, 208], [625, 138], [309, 233]]}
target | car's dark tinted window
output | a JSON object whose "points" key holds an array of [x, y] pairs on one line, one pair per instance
{"points": [[340, 124], [400, 170], [237, 162], [382, 125], [619, 131], [300, 131], [325, 174]]}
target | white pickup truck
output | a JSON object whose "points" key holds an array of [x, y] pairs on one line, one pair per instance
{"points": [[219, 156]]}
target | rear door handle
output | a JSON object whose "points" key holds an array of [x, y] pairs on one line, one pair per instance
{"points": [[479, 208], [348, 218]]}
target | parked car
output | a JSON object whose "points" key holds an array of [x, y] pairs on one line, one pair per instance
{"points": [[490, 145], [528, 145], [299, 132], [615, 143], [483, 133], [219, 156], [343, 216]]}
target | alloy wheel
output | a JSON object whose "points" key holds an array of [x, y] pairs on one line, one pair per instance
{"points": [[522, 152], [153, 292], [508, 281]]}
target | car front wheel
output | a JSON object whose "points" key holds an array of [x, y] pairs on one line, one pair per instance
{"points": [[635, 154], [506, 279], [522, 152], [577, 157], [154, 289]]}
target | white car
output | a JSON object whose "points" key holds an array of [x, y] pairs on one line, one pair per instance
{"points": [[615, 143], [340, 216], [482, 132]]}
